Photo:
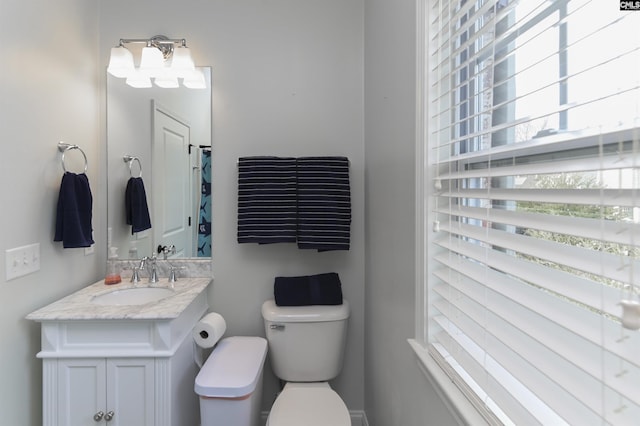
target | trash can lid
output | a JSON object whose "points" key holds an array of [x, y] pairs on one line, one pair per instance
{"points": [[233, 369]]}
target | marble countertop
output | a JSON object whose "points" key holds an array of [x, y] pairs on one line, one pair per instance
{"points": [[78, 305]]}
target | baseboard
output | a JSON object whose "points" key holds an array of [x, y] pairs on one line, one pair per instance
{"points": [[358, 418]]}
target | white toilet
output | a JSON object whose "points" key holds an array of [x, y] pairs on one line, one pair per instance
{"points": [[306, 347]]}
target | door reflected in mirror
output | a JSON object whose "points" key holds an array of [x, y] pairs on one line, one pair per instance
{"points": [[168, 132]]}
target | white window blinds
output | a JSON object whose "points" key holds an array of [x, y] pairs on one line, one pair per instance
{"points": [[534, 142]]}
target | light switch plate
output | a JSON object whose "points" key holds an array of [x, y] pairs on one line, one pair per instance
{"points": [[22, 260]]}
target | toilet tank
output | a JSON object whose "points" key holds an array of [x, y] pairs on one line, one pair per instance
{"points": [[306, 343]]}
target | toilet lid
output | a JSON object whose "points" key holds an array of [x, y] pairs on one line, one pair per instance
{"points": [[309, 404]]}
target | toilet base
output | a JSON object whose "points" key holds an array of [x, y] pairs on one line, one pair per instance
{"points": [[309, 404]]}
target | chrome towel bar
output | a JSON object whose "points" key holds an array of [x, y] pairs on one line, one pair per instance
{"points": [[130, 159], [63, 147]]}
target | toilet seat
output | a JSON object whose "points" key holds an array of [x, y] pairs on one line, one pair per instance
{"points": [[309, 404]]}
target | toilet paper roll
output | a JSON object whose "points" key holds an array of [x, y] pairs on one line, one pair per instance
{"points": [[209, 330]]}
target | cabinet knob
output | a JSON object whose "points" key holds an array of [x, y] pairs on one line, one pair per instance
{"points": [[98, 416], [109, 416]]}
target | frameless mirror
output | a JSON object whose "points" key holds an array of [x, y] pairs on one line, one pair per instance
{"points": [[163, 136]]}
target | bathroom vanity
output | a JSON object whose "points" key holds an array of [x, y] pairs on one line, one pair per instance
{"points": [[122, 355]]}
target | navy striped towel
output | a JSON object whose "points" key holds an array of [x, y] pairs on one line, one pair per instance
{"points": [[324, 203], [266, 200]]}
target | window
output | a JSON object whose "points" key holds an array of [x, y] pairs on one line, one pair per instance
{"points": [[531, 208]]}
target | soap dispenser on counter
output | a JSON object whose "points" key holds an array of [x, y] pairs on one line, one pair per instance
{"points": [[113, 271]]}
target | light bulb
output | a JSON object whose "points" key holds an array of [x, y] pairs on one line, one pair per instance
{"points": [[151, 61], [181, 63], [120, 62]]}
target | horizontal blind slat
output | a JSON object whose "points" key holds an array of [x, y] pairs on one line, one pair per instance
{"points": [[518, 414], [578, 289], [614, 232], [467, 337], [575, 257], [560, 141], [571, 363], [605, 197], [566, 166], [574, 318]]}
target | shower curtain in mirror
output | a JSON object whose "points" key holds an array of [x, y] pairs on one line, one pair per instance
{"points": [[204, 217]]}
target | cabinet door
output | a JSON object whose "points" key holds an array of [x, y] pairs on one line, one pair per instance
{"points": [[81, 391], [130, 391]]}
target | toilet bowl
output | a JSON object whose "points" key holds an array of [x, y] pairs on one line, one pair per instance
{"points": [[308, 404]]}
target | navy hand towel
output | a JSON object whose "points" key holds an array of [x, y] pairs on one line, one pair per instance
{"points": [[324, 203], [73, 213], [266, 200], [321, 289], [135, 204]]}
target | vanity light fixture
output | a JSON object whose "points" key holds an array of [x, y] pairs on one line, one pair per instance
{"points": [[162, 60]]}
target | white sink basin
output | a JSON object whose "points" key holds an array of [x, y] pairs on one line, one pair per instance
{"points": [[132, 296]]}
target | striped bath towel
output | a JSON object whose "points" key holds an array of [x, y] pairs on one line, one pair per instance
{"points": [[266, 200], [324, 203]]}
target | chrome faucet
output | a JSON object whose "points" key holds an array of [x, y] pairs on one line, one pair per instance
{"points": [[135, 276], [173, 277], [153, 274], [166, 250]]}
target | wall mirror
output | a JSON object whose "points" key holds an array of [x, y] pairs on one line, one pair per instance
{"points": [[163, 136]]}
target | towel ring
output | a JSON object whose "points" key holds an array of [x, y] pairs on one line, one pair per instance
{"points": [[64, 147], [130, 159]]}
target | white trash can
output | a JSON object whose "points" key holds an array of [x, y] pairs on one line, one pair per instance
{"points": [[230, 382]]}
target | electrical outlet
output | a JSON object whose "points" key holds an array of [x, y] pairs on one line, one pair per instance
{"points": [[22, 260]]}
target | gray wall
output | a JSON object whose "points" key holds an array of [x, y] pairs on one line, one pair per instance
{"points": [[396, 392], [49, 91], [287, 81], [290, 78]]}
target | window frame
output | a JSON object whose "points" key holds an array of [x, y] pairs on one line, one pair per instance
{"points": [[451, 395]]}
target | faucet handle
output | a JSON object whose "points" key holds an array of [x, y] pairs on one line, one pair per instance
{"points": [[145, 260], [135, 273], [172, 273], [166, 250]]}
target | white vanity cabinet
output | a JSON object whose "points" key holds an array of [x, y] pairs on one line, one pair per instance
{"points": [[116, 391], [121, 365]]}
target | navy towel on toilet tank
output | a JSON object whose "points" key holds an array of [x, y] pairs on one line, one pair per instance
{"points": [[321, 289]]}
